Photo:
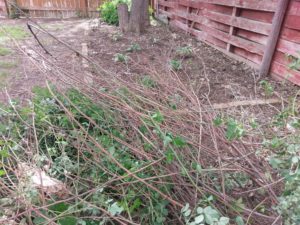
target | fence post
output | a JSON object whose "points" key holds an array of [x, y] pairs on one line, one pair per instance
{"points": [[86, 8], [6, 7], [273, 37]]}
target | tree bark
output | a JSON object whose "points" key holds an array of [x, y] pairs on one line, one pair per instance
{"points": [[138, 15], [137, 20], [123, 15], [145, 12]]}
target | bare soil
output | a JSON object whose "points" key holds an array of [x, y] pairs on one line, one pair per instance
{"points": [[215, 77], [225, 79]]}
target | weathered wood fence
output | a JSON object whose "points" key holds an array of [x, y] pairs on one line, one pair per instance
{"points": [[3, 9], [56, 8], [241, 28]]}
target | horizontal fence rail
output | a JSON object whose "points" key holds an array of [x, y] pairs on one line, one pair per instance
{"points": [[240, 28]]}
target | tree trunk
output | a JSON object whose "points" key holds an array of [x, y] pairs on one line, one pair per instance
{"points": [[138, 15], [137, 20], [145, 12], [123, 15]]}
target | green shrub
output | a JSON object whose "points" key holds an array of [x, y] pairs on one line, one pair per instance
{"points": [[109, 12]]}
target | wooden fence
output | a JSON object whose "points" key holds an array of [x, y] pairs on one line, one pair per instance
{"points": [[241, 29], [56, 8], [3, 10]]}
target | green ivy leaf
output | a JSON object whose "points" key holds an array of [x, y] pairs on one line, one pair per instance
{"points": [[275, 163], [2, 173], [199, 210], [187, 213], [158, 117], [223, 221], [169, 156], [4, 153], [199, 219], [39, 220], [179, 142], [211, 215], [234, 130], [185, 208], [115, 209], [59, 208], [167, 140], [135, 205], [239, 220], [70, 220]]}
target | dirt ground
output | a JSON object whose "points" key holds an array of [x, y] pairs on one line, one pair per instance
{"points": [[30, 60], [214, 76]]}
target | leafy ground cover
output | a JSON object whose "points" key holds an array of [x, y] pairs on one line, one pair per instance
{"points": [[141, 144]]}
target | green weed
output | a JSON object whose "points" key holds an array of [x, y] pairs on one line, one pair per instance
{"points": [[134, 48], [148, 82], [184, 51], [267, 87], [295, 62], [120, 58], [175, 65]]}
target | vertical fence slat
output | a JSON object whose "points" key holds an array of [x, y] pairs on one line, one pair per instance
{"points": [[232, 30], [273, 37]]}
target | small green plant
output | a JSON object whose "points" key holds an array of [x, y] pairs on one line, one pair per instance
{"points": [[267, 87], [134, 48], [109, 13], [175, 65], [184, 51], [218, 121], [285, 159], [234, 129], [148, 82], [119, 57], [295, 62]]}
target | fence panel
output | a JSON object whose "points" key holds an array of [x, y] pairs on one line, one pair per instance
{"points": [[239, 28], [59, 8], [3, 10]]}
